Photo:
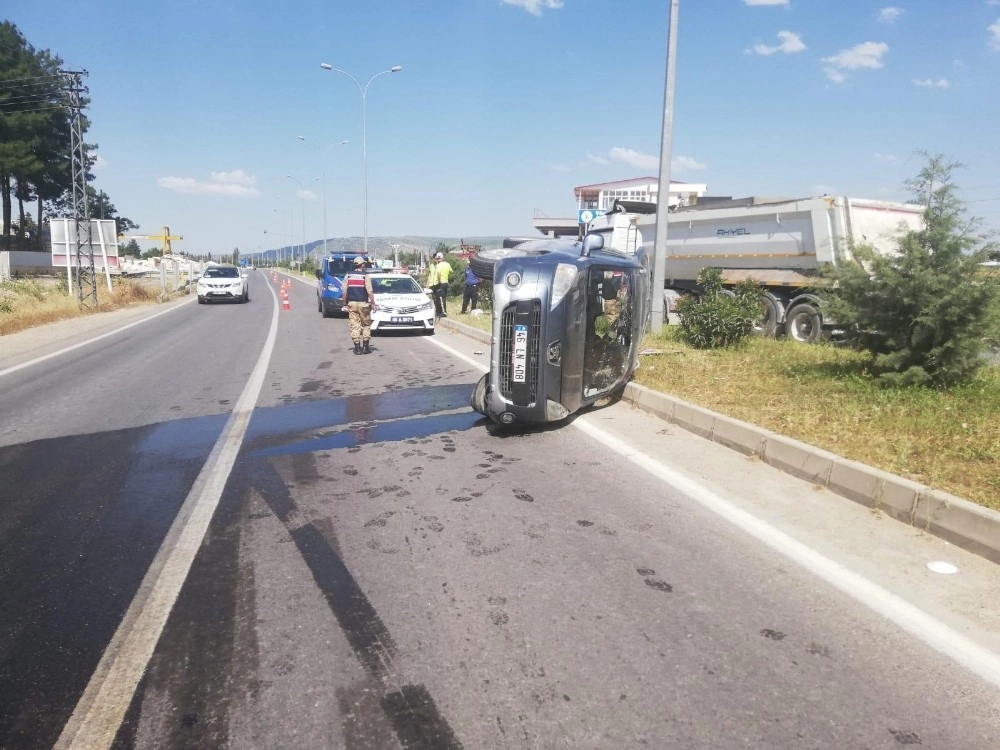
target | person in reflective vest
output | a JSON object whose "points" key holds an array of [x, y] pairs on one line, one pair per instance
{"points": [[437, 280], [360, 303]]}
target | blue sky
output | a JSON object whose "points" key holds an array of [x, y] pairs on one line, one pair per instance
{"points": [[503, 106]]}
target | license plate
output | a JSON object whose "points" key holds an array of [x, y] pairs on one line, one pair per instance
{"points": [[519, 358], [401, 319]]}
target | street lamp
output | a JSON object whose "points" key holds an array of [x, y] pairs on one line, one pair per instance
{"points": [[364, 130], [327, 151], [302, 193]]}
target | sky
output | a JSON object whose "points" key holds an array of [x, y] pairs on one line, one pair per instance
{"points": [[216, 119]]}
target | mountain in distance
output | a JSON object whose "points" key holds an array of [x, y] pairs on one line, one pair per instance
{"points": [[381, 247]]}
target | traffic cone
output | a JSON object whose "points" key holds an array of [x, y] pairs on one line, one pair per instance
{"points": [[285, 304]]}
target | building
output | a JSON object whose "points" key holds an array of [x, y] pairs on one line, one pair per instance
{"points": [[598, 198]]}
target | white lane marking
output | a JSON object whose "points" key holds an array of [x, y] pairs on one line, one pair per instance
{"points": [[100, 710], [937, 635], [455, 353], [913, 620], [35, 361]]}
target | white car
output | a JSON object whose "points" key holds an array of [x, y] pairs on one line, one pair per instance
{"points": [[400, 304], [223, 284]]}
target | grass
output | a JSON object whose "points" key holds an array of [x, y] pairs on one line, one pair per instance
{"points": [[26, 303], [824, 395]]}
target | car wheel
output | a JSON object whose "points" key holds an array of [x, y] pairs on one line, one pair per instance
{"points": [[478, 400], [483, 262], [201, 300]]}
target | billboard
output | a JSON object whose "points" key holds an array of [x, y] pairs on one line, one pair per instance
{"points": [[98, 237]]}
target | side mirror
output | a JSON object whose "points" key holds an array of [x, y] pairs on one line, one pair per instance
{"points": [[592, 242], [428, 291], [319, 273]]}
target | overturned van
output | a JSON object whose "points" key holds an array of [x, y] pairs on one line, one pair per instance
{"points": [[568, 318]]}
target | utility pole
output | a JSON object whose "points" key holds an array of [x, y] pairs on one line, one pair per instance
{"points": [[663, 197], [86, 283]]}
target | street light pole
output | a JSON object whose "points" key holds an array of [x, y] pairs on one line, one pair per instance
{"points": [[327, 151], [302, 194], [364, 131]]}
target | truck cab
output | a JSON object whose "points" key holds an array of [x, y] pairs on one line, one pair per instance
{"points": [[330, 281]]}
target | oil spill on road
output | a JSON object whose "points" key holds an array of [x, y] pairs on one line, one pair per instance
{"points": [[386, 432], [275, 423]]}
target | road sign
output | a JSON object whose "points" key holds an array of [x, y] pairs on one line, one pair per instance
{"points": [[587, 215]]}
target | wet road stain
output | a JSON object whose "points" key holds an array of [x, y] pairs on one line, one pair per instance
{"points": [[774, 635], [906, 738], [584, 523], [523, 496], [659, 584]]}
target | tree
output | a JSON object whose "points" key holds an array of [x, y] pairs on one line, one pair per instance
{"points": [[925, 312], [716, 318], [34, 126]]}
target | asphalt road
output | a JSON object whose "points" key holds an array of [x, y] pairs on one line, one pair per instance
{"points": [[221, 528]]}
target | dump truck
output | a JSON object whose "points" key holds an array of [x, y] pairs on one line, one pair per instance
{"points": [[782, 244]]}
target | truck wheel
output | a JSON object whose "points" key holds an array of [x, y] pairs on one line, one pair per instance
{"points": [[767, 324], [478, 400], [484, 261], [804, 324]]}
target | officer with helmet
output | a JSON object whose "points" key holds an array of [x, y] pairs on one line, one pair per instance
{"points": [[360, 303]]}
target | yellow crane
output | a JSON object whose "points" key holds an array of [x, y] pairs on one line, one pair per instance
{"points": [[164, 238]]}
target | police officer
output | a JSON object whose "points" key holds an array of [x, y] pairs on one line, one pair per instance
{"points": [[437, 280], [360, 303]]}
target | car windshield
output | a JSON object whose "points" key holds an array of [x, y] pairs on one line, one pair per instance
{"points": [[401, 285], [221, 273], [339, 267]]}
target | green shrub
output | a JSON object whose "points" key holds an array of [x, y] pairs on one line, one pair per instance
{"points": [[717, 318]]}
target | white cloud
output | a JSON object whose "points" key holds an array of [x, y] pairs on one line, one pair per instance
{"points": [[940, 83], [890, 14], [790, 43], [636, 159], [835, 75], [994, 30], [765, 2], [598, 159], [864, 55], [99, 163], [236, 184], [236, 177], [686, 164], [534, 7]]}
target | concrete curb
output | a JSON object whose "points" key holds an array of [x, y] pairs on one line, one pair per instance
{"points": [[960, 522], [964, 524]]}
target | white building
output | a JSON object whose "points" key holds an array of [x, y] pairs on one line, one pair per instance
{"points": [[598, 198]]}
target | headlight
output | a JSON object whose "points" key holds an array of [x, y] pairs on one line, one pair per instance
{"points": [[562, 282], [426, 306]]}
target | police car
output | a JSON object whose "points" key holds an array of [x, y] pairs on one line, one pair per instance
{"points": [[400, 304]]}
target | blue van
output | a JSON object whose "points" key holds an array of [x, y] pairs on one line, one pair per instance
{"points": [[330, 281]]}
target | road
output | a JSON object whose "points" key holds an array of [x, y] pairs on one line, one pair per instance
{"points": [[223, 529]]}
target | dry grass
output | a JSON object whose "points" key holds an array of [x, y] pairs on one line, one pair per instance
{"points": [[25, 303], [824, 396]]}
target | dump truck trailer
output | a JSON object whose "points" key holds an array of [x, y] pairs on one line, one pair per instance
{"points": [[783, 245]]}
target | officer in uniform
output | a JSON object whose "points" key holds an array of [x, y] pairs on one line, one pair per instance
{"points": [[360, 303]]}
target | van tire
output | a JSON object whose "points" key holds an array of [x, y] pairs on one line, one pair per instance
{"points": [[478, 400]]}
